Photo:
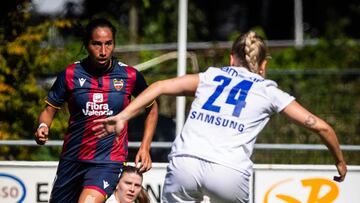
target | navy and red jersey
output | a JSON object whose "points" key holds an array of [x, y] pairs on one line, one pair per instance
{"points": [[92, 95]]}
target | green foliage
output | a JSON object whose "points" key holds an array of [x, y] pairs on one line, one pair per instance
{"points": [[337, 53], [24, 57], [160, 22]]}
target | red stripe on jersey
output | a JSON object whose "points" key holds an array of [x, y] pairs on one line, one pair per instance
{"points": [[117, 152], [106, 88], [88, 142], [119, 149], [122, 139], [70, 71], [70, 84]]}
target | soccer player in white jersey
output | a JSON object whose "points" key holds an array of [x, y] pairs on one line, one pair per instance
{"points": [[232, 105]]}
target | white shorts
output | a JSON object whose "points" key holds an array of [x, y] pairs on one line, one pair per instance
{"points": [[189, 179]]}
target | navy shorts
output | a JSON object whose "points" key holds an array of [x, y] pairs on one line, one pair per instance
{"points": [[72, 177]]}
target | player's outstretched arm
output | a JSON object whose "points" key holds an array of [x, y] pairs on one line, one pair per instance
{"points": [[179, 86], [303, 117]]}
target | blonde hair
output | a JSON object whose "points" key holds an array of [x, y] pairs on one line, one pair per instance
{"points": [[250, 51]]}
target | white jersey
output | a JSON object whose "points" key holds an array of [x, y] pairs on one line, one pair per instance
{"points": [[231, 107]]}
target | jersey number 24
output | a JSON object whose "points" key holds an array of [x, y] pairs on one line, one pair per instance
{"points": [[239, 102]]}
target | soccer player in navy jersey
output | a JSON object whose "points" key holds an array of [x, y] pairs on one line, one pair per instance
{"points": [[210, 159], [95, 87]]}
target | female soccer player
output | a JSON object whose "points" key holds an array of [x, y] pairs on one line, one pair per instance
{"points": [[96, 87], [129, 188], [232, 105]]}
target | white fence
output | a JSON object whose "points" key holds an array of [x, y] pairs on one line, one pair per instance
{"points": [[31, 182]]}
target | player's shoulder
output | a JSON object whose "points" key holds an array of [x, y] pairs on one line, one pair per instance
{"points": [[269, 83], [73, 65], [212, 69], [238, 72], [68, 69]]}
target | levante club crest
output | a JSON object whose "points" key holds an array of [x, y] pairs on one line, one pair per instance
{"points": [[118, 84]]}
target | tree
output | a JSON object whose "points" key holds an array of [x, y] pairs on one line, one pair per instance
{"points": [[25, 54]]}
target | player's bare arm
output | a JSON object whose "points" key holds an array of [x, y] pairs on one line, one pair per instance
{"points": [[185, 85], [180, 86], [303, 117]]}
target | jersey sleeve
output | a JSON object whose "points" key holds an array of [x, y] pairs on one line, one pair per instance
{"points": [[202, 76], [56, 95], [140, 84], [279, 98], [208, 73]]}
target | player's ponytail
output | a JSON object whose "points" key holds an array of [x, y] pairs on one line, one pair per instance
{"points": [[250, 51]]}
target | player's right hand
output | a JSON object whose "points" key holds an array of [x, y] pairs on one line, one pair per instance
{"points": [[107, 123], [41, 135]]}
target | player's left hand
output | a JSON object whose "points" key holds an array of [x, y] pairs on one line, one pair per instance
{"points": [[143, 160]]}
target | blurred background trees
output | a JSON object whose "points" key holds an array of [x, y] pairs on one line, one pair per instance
{"points": [[324, 75]]}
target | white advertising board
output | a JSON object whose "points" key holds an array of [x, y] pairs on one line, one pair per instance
{"points": [[153, 181], [304, 184], [26, 181]]}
